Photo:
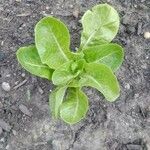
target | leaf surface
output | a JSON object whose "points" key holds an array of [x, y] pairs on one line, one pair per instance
{"points": [[55, 100], [108, 54], [52, 41], [101, 77], [75, 107], [100, 25], [29, 59]]}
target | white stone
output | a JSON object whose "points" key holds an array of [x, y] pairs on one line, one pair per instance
{"points": [[147, 35], [47, 7], [5, 86], [7, 147], [127, 86], [23, 74], [14, 132]]}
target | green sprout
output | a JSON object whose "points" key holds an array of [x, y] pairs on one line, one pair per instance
{"points": [[92, 65]]}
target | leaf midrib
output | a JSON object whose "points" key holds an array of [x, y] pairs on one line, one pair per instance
{"points": [[37, 65], [89, 76], [91, 36], [96, 61], [58, 43], [76, 109], [56, 107], [94, 32]]}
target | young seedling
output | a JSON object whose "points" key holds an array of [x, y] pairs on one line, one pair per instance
{"points": [[92, 65]]}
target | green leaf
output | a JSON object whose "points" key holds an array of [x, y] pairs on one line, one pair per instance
{"points": [[108, 54], [52, 41], [30, 60], [100, 25], [75, 107], [66, 72], [77, 66], [75, 82], [63, 74], [101, 77], [55, 100]]}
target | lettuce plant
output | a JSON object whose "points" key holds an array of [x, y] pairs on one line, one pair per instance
{"points": [[93, 64]]}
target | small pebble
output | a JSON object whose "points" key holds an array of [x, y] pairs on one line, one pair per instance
{"points": [[139, 30], [2, 140], [134, 147], [1, 130], [71, 6], [5, 86], [73, 25], [8, 75], [7, 147], [5, 125], [136, 95], [17, 82], [125, 20], [14, 132], [29, 1], [1, 146], [147, 35], [40, 90], [148, 120], [43, 12], [2, 56], [2, 43], [131, 29], [25, 110], [47, 7], [114, 146], [1, 105], [76, 12], [127, 86], [147, 57], [23, 74], [144, 66]]}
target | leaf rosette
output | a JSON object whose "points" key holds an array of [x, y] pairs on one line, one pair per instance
{"points": [[92, 65]]}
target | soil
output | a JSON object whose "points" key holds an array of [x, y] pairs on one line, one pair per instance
{"points": [[25, 119]]}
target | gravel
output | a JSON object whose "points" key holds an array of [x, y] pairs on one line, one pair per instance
{"points": [[139, 29], [134, 147], [25, 110], [147, 35], [1, 130], [6, 86], [5, 126]]}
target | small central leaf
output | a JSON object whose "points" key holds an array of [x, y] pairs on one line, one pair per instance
{"points": [[67, 72], [77, 66]]}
